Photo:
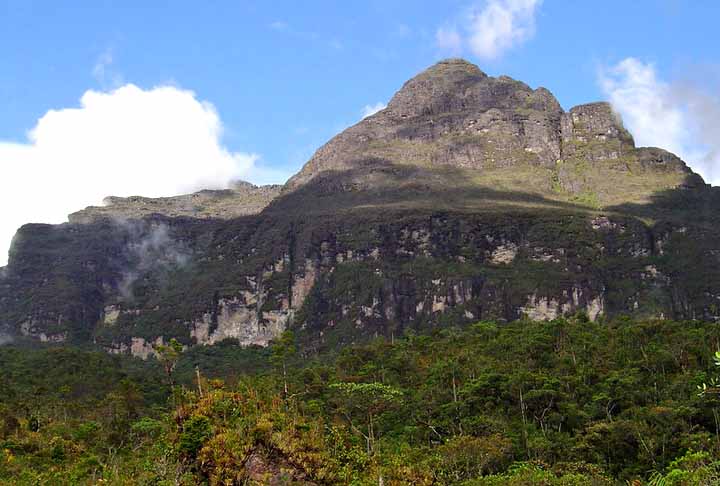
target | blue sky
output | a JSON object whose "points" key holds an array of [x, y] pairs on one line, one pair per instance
{"points": [[283, 77]]}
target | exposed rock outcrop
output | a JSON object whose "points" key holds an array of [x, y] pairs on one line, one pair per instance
{"points": [[595, 132]]}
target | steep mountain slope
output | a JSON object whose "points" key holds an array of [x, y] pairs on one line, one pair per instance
{"points": [[469, 197]]}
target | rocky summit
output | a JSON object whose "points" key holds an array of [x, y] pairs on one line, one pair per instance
{"points": [[469, 197], [452, 128]]}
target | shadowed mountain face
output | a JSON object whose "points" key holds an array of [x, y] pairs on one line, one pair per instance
{"points": [[469, 197]]}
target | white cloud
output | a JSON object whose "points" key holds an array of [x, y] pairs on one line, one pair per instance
{"points": [[680, 117], [643, 101], [369, 110], [492, 27], [128, 141]]}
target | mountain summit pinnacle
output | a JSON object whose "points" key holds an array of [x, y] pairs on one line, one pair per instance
{"points": [[437, 88]]}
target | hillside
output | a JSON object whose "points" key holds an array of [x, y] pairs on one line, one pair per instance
{"points": [[469, 197]]}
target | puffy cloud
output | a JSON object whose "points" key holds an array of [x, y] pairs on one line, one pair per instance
{"points": [[372, 109], [492, 27], [500, 25], [681, 117], [128, 141], [644, 103]]}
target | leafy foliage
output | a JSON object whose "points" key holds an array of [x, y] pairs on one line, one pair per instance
{"points": [[565, 402]]}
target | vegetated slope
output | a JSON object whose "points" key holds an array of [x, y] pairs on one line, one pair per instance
{"points": [[565, 402], [469, 197]]}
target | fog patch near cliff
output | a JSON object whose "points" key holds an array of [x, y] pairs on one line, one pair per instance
{"points": [[681, 116], [5, 339], [150, 247], [128, 141]]}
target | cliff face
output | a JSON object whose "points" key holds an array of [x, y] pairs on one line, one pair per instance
{"points": [[467, 198]]}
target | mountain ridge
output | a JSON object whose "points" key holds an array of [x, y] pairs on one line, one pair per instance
{"points": [[592, 131], [454, 115], [241, 199], [467, 198]]}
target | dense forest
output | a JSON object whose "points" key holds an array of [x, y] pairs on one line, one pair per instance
{"points": [[564, 402]]}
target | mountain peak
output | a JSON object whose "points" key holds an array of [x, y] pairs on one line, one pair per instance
{"points": [[452, 68], [451, 114], [452, 128], [437, 88]]}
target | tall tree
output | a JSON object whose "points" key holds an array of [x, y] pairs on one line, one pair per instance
{"points": [[283, 349]]}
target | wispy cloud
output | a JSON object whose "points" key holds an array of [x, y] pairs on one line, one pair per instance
{"points": [[279, 25], [292, 30], [128, 141], [490, 28], [679, 116], [369, 110], [449, 39], [402, 31], [285, 28], [103, 70]]}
